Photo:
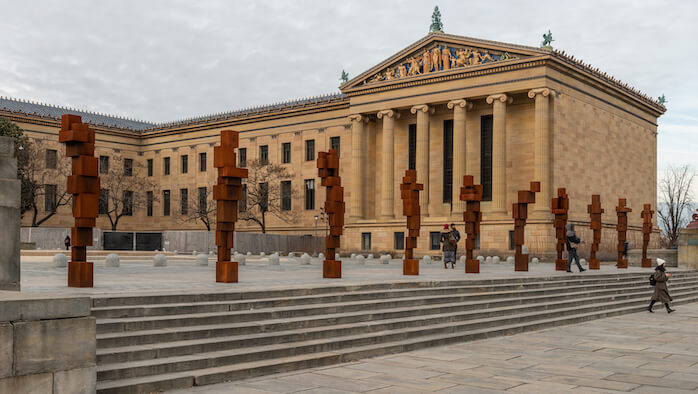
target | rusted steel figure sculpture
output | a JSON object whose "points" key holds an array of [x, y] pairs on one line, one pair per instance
{"points": [[646, 215], [622, 228], [409, 191], [520, 214], [83, 184], [560, 205], [472, 195], [595, 211], [227, 192], [328, 170]]}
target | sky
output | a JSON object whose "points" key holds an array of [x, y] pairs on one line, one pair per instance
{"points": [[167, 60]]}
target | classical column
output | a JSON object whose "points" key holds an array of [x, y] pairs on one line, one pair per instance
{"points": [[357, 166], [499, 152], [422, 152], [543, 146], [459, 108], [388, 173]]}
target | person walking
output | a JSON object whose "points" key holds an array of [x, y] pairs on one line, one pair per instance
{"points": [[456, 236], [66, 241], [449, 247], [572, 242], [661, 291]]}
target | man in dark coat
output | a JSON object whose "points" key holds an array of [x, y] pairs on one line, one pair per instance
{"points": [[661, 291], [572, 242], [456, 235]]}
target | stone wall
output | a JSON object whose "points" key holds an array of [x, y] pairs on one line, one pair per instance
{"points": [[670, 255], [688, 247], [9, 216]]}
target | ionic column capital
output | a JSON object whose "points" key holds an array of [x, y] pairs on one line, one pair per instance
{"points": [[463, 103], [422, 107], [388, 113], [544, 92], [355, 118], [501, 97]]}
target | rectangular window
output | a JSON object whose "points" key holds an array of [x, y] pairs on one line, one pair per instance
{"points": [[165, 203], [242, 152], [335, 144], [51, 158], [128, 167], [264, 196], [412, 147], [512, 246], [202, 162], [104, 164], [309, 150], [149, 203], [150, 167], [127, 201], [448, 161], [264, 154], [477, 242], [365, 241], [166, 166], [435, 240], [285, 195], [103, 204], [242, 205], [184, 160], [486, 157], [399, 240], [184, 201], [203, 205], [286, 152], [49, 198], [310, 194]]}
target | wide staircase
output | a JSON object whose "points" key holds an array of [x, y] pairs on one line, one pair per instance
{"points": [[161, 342]]}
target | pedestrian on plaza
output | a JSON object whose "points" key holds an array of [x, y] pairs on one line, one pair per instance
{"points": [[572, 242], [448, 240], [66, 241], [661, 291], [456, 235]]}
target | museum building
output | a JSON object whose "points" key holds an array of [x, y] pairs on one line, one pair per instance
{"points": [[446, 106]]}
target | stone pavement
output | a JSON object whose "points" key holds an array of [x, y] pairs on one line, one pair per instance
{"points": [[639, 353]]}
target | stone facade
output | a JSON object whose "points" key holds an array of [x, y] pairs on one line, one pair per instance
{"points": [[554, 120]]}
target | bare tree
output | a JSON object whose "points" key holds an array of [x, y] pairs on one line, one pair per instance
{"points": [[124, 188], [676, 201], [202, 208], [265, 194], [45, 172]]}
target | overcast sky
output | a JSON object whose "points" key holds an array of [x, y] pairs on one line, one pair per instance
{"points": [[166, 60]]}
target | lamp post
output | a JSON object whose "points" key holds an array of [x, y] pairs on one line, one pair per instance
{"points": [[315, 238]]}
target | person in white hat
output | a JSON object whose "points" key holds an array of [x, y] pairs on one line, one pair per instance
{"points": [[661, 291]]}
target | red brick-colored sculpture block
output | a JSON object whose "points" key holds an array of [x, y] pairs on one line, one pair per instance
{"points": [[520, 214], [328, 171], [560, 205], [409, 191], [595, 211], [83, 184], [472, 195], [622, 227], [646, 216], [227, 192]]}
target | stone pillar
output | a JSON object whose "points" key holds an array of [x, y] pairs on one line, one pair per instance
{"points": [[422, 159], [459, 108], [9, 216], [388, 172], [357, 166], [499, 152], [543, 147]]}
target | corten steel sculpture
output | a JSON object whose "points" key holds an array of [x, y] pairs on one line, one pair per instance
{"points": [[83, 184], [409, 191], [328, 170], [520, 214], [646, 216], [622, 228], [472, 195], [560, 205], [227, 192], [595, 212]]}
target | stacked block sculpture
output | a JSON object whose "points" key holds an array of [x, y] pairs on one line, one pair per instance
{"points": [[84, 185], [328, 170], [560, 205], [622, 228], [409, 191], [595, 212], [646, 215], [472, 195], [520, 214], [227, 192]]}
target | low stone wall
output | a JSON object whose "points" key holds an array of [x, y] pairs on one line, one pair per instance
{"points": [[53, 237], [47, 344], [670, 255], [688, 247]]}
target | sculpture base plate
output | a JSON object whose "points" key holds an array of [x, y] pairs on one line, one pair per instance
{"points": [[410, 267], [595, 264], [472, 266], [622, 263], [227, 271], [647, 263], [560, 265], [521, 263], [80, 274], [332, 269]]}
